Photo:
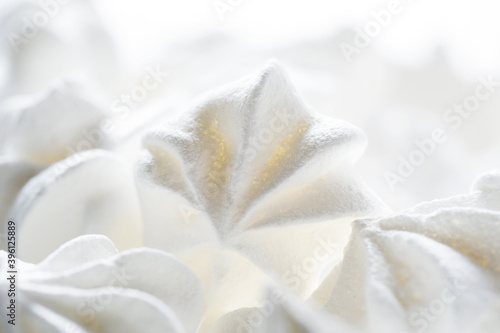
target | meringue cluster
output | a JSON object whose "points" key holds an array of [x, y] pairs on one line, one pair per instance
{"points": [[242, 215]]}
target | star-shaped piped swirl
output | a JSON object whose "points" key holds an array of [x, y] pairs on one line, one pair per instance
{"points": [[87, 286], [433, 268], [249, 158]]}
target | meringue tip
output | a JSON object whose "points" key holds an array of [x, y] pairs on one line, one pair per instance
{"points": [[274, 66], [273, 72], [489, 181]]}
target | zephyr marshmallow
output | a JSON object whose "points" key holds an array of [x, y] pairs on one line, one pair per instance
{"points": [[51, 126], [87, 286], [433, 268], [252, 169], [90, 192]]}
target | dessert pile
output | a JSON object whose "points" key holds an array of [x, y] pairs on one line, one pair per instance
{"points": [[243, 213]]}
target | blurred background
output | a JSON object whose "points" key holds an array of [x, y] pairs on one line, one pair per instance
{"points": [[399, 70]]}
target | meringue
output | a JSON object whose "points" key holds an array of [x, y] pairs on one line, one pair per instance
{"points": [[251, 170], [433, 268], [47, 128], [87, 286], [90, 192]]}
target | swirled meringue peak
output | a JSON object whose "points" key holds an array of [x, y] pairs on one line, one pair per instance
{"points": [[252, 168], [88, 193], [433, 268], [48, 127], [87, 286]]}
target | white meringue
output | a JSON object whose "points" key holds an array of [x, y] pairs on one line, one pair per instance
{"points": [[251, 169], [52, 126], [86, 286], [90, 192], [71, 42], [434, 268]]}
